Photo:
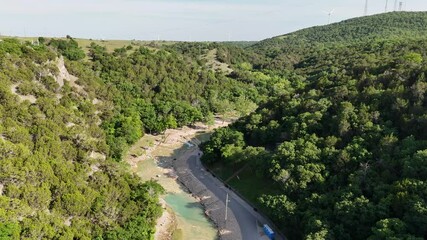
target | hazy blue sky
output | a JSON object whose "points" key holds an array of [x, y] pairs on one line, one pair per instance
{"points": [[178, 19]]}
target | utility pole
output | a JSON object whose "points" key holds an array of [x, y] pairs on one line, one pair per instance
{"points": [[400, 6], [386, 6], [226, 207]]}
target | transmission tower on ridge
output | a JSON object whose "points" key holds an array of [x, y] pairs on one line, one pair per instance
{"points": [[366, 7]]}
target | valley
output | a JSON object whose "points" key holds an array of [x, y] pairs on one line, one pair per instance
{"points": [[321, 135]]}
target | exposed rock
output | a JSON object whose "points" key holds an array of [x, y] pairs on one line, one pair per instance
{"points": [[96, 101], [65, 75], [93, 169], [63, 72], [70, 124], [212, 61], [30, 98], [97, 155], [67, 221]]}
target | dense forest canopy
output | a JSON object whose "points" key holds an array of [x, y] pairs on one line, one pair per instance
{"points": [[55, 181], [344, 144], [288, 49]]}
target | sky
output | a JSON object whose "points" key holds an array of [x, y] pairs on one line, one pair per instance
{"points": [[183, 20]]}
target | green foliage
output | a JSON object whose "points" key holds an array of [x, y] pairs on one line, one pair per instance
{"points": [[344, 136], [68, 48], [339, 131], [9, 231], [51, 185], [391, 229], [156, 90], [59, 176], [288, 50], [10, 46], [224, 143]]}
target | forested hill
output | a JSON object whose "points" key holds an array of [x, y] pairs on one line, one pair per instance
{"points": [[376, 27], [340, 150], [336, 149], [67, 117]]}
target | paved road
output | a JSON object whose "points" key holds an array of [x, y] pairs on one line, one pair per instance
{"points": [[247, 218]]}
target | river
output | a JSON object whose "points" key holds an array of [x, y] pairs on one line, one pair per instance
{"points": [[151, 158]]}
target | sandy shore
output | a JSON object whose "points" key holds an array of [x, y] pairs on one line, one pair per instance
{"points": [[166, 224]]}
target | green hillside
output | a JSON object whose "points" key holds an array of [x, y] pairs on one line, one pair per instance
{"points": [[339, 150], [57, 180], [330, 143], [67, 117], [290, 47]]}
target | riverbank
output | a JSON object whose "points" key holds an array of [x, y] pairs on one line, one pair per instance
{"points": [[152, 157], [214, 207], [166, 224]]}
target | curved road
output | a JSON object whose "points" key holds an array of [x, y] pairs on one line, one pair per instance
{"points": [[250, 222]]}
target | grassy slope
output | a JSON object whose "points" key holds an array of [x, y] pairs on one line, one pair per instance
{"points": [[110, 45]]}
